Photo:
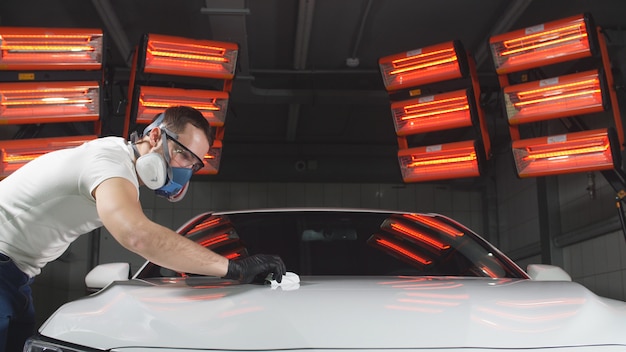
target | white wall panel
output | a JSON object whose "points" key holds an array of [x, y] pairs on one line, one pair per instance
{"points": [[350, 195], [276, 195], [260, 195], [333, 194], [407, 197], [425, 197], [599, 264], [370, 195]]}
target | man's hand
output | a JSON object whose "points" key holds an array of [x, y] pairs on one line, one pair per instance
{"points": [[257, 267]]}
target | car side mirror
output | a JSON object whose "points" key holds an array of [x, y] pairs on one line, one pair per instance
{"points": [[104, 274], [544, 272]]}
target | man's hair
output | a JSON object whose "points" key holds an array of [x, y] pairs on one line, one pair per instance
{"points": [[177, 117]]}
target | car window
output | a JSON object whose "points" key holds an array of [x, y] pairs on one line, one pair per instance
{"points": [[349, 243]]}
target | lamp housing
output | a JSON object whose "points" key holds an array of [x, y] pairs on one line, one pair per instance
{"points": [[592, 150], [422, 66], [443, 161], [179, 56], [34, 48], [48, 102], [544, 44], [17, 152], [557, 97], [433, 112], [151, 101], [212, 159]]}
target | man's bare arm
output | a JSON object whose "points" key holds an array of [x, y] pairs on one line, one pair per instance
{"points": [[123, 217]]}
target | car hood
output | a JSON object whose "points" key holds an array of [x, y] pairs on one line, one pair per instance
{"points": [[341, 313]]}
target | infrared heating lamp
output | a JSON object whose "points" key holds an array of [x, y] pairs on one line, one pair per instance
{"points": [[438, 162], [212, 159], [154, 100], [15, 153], [23, 48], [180, 56], [47, 102], [570, 95], [593, 150], [544, 44], [431, 64], [432, 113]]}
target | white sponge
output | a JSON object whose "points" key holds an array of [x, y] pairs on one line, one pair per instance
{"points": [[290, 280]]}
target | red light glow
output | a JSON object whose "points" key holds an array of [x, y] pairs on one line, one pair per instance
{"points": [[438, 225], [418, 235], [541, 45], [432, 113]]}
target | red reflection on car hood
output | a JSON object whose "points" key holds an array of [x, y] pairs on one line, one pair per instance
{"points": [[341, 313]]}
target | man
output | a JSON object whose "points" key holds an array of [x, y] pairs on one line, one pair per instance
{"points": [[49, 202]]}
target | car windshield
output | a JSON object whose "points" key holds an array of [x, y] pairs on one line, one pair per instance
{"points": [[349, 243]]}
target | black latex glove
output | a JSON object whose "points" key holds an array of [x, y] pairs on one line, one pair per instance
{"points": [[256, 268]]}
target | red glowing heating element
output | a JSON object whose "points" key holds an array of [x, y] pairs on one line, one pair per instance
{"points": [[47, 102], [432, 113], [189, 57], [212, 159], [154, 100], [17, 152], [592, 150], [23, 48], [436, 162], [421, 66], [558, 97], [542, 45]]}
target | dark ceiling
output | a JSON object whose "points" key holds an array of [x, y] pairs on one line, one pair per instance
{"points": [[298, 111]]}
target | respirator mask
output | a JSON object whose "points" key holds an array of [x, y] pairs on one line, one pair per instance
{"points": [[155, 170]]}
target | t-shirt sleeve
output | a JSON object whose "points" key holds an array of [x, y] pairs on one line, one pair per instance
{"points": [[105, 162]]}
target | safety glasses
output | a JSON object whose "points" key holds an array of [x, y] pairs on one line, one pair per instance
{"points": [[185, 156]]}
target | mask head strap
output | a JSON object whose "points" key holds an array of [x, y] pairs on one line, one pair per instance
{"points": [[158, 123]]}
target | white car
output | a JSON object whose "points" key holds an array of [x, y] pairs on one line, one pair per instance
{"points": [[358, 280]]}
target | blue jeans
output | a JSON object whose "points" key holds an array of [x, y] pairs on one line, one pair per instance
{"points": [[17, 313]]}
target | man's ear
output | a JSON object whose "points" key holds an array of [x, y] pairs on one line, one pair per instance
{"points": [[154, 136]]}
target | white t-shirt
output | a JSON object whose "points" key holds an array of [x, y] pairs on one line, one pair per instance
{"points": [[47, 203]]}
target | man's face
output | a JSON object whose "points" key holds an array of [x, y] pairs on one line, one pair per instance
{"points": [[188, 149]]}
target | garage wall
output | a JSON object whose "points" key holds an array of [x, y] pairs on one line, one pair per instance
{"points": [[588, 242], [63, 280], [518, 220], [594, 250]]}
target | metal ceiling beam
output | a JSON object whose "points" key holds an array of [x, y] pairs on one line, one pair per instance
{"points": [[300, 53], [292, 122], [220, 11], [114, 27], [359, 35], [245, 92], [227, 22], [303, 33]]}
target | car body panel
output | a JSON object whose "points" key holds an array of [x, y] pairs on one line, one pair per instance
{"points": [[341, 313], [460, 293]]}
